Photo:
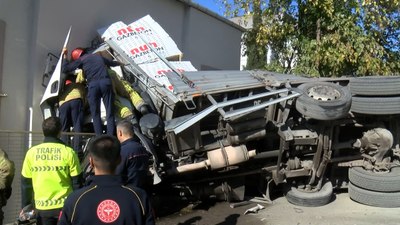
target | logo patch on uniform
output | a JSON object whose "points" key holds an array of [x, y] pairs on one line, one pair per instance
{"points": [[108, 211]]}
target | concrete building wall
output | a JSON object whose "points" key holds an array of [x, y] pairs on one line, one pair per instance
{"points": [[35, 28], [15, 72], [30, 29]]}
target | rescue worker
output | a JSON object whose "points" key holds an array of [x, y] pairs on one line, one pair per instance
{"points": [[71, 106], [134, 166], [50, 172], [94, 68], [7, 170], [106, 200], [123, 89]]}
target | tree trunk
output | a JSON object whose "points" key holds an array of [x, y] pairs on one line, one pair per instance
{"points": [[318, 37]]}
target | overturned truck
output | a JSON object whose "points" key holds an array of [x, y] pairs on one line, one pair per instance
{"points": [[218, 133]]}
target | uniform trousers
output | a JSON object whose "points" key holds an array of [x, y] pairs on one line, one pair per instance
{"points": [[71, 114], [48, 217], [97, 90]]}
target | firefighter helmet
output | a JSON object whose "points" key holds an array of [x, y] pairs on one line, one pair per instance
{"points": [[76, 53]]}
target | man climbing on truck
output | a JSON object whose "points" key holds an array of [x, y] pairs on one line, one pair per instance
{"points": [[94, 67]]}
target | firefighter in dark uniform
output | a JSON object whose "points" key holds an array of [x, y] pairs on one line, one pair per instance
{"points": [[94, 68], [71, 106], [50, 172], [134, 166], [106, 200]]}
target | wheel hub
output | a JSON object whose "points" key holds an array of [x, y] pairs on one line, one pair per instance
{"points": [[323, 93]]}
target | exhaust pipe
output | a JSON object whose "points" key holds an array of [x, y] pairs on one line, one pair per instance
{"points": [[220, 158]]}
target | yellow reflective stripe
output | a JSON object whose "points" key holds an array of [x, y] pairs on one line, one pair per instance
{"points": [[76, 203], [137, 196], [48, 168], [50, 202], [79, 76], [121, 110]]}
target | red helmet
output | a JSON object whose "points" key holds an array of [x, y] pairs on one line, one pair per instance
{"points": [[76, 53]]}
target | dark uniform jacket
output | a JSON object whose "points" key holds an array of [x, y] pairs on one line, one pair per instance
{"points": [[94, 66], [134, 163], [107, 201]]}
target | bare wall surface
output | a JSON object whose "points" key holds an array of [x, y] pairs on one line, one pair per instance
{"points": [[219, 44], [17, 16]]}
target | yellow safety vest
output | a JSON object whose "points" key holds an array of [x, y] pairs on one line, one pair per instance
{"points": [[51, 166]]}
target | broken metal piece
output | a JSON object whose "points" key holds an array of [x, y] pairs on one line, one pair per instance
{"points": [[248, 200], [237, 204], [255, 209]]}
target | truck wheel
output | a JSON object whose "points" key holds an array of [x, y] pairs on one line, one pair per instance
{"points": [[323, 100], [375, 181], [374, 198], [375, 86], [310, 199], [375, 105]]}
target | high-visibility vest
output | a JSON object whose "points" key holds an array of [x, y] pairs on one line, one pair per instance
{"points": [[51, 166]]}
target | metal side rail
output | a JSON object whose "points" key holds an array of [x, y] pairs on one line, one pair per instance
{"points": [[247, 110], [142, 76], [180, 75], [220, 105]]}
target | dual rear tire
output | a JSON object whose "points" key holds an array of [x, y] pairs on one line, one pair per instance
{"points": [[380, 189], [375, 95]]}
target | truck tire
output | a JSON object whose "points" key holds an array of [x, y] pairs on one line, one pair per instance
{"points": [[375, 105], [381, 182], [323, 100], [310, 199], [374, 198], [375, 86]]}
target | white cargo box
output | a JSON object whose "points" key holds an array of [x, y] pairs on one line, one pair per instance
{"points": [[134, 39]]}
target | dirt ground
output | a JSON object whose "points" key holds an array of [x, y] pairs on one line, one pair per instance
{"points": [[342, 210]]}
